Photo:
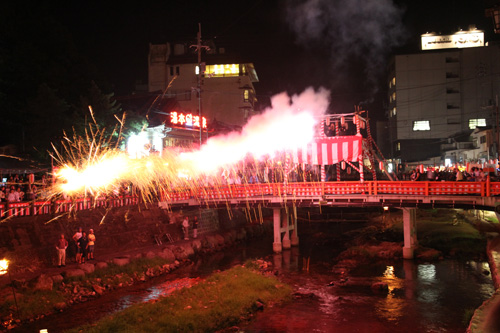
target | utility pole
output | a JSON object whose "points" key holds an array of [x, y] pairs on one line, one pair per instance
{"points": [[497, 139], [201, 71]]}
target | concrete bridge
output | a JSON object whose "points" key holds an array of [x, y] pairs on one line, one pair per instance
{"points": [[285, 198]]}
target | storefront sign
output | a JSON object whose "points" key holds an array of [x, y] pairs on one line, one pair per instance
{"points": [[188, 120], [458, 40]]}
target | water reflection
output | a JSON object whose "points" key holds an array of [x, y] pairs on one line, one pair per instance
{"points": [[420, 297]]}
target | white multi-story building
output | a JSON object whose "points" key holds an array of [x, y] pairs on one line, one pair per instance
{"points": [[441, 93], [227, 90]]}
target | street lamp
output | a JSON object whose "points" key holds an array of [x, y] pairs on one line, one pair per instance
{"points": [[4, 269]]}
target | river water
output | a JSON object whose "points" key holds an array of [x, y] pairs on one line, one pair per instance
{"points": [[422, 297]]}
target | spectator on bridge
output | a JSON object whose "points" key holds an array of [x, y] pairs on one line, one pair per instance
{"points": [[185, 228], [61, 246], [253, 179], [415, 175], [20, 193], [91, 239], [2, 194], [431, 174], [482, 175], [13, 196]]}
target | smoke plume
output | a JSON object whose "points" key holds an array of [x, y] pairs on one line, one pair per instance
{"points": [[365, 30]]}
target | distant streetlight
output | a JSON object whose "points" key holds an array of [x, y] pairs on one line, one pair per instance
{"points": [[4, 269]]}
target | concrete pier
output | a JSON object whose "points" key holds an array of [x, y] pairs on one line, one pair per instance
{"points": [[410, 232], [277, 246], [295, 235]]}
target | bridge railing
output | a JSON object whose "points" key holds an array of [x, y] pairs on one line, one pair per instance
{"points": [[248, 191]]}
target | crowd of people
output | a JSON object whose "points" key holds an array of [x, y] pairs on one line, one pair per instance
{"points": [[476, 174], [18, 189], [82, 247]]}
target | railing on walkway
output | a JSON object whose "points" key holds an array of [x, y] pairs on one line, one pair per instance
{"points": [[33, 208], [249, 191]]}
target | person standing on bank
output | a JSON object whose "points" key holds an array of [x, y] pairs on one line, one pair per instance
{"points": [[61, 246], [195, 227], [185, 227], [74, 244], [82, 248], [91, 239]]}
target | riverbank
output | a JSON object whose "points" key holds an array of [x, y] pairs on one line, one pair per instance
{"points": [[217, 303], [54, 289]]}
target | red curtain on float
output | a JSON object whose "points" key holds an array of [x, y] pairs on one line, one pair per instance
{"points": [[329, 150]]}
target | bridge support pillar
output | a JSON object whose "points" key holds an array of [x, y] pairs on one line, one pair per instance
{"points": [[295, 235], [277, 247], [410, 232], [285, 219]]}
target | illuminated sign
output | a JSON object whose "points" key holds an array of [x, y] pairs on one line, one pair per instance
{"points": [[189, 120], [459, 40]]}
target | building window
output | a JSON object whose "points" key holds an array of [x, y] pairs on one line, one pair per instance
{"points": [[473, 123], [394, 81], [225, 70], [482, 139], [177, 70], [421, 125], [171, 70], [246, 95], [394, 96], [398, 146], [394, 111]]}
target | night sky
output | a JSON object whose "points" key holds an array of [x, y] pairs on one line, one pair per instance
{"points": [[341, 45]]}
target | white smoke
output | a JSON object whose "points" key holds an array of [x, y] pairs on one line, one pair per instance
{"points": [[364, 29], [289, 123]]}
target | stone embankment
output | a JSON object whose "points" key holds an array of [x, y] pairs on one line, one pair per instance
{"points": [[487, 317]]}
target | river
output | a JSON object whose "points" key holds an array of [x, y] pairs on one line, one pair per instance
{"points": [[422, 297]]}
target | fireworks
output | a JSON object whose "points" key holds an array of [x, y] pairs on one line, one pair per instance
{"points": [[94, 166]]}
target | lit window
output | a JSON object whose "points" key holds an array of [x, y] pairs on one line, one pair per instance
{"points": [[398, 146], [473, 123], [246, 95], [394, 96], [394, 111], [197, 70], [222, 70], [394, 81], [421, 125]]}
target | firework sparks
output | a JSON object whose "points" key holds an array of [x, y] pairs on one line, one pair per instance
{"points": [[95, 166]]}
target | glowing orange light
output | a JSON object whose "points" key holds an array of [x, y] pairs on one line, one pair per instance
{"points": [[4, 265]]}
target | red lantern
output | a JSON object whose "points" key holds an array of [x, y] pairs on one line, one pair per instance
{"points": [[342, 121], [342, 165], [421, 168], [381, 166], [349, 170]]}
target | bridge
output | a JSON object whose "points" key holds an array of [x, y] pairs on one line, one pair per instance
{"points": [[284, 198]]}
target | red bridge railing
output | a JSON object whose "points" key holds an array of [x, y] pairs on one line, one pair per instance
{"points": [[248, 191]]}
